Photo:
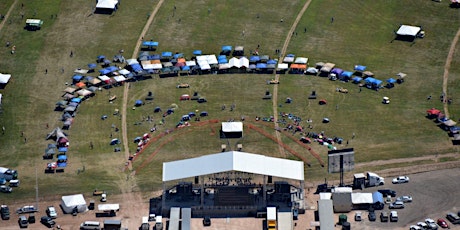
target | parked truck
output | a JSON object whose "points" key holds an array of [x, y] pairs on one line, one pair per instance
{"points": [[361, 181], [8, 174]]}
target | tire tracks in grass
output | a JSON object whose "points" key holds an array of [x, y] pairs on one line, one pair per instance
{"points": [[7, 15]]}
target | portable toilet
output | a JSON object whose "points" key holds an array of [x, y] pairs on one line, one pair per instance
{"points": [[342, 219]]}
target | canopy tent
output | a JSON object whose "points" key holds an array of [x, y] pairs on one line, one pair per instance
{"points": [[92, 65], [4, 78], [73, 202], [357, 79], [150, 44], [289, 58], [372, 81], [312, 70], [166, 54], [227, 48], [232, 126], [283, 66], [346, 74], [271, 61], [391, 80], [197, 52], [406, 30], [327, 67], [254, 58], [301, 60], [107, 4], [433, 112], [337, 71], [70, 90], [84, 92], [131, 61], [360, 68]]}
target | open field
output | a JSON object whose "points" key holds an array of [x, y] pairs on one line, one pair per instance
{"points": [[398, 130]]}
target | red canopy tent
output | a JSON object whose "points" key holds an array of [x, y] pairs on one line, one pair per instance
{"points": [[433, 112]]}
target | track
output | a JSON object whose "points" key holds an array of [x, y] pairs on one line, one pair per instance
{"points": [[7, 15], [445, 77]]}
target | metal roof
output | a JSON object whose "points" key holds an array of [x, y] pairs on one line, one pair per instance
{"points": [[233, 161]]}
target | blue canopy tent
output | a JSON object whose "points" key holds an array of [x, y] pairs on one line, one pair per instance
{"points": [[76, 100], [178, 55], [150, 44], [112, 68], [227, 48], [185, 68], [100, 58], [62, 161], [77, 78], [346, 75], [222, 59], [136, 67], [360, 68], [62, 149], [261, 65], [290, 55], [372, 82], [271, 61], [203, 114], [391, 80], [197, 52], [92, 65], [166, 54], [191, 114], [357, 79], [107, 61], [138, 103], [104, 71], [254, 59], [377, 200]]}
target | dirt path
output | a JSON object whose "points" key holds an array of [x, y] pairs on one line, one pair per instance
{"points": [[277, 76], [445, 77], [8, 14], [136, 205], [124, 129]]}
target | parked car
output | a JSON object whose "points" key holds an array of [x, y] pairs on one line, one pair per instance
{"points": [[23, 222], [5, 212], [400, 180], [51, 212], [384, 216], [394, 216], [371, 216], [207, 221], [442, 223], [5, 189], [453, 218], [358, 216], [31, 218], [2, 181], [47, 221], [422, 225], [396, 205], [26, 209], [404, 199], [431, 224], [415, 227], [386, 192]]}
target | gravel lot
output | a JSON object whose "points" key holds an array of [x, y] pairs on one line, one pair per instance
{"points": [[434, 194]]}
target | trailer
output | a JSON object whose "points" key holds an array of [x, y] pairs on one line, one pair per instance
{"points": [[174, 218], [360, 181], [107, 210]]}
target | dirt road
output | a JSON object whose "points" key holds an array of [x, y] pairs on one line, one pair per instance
{"points": [[7, 15], [277, 76], [445, 77]]}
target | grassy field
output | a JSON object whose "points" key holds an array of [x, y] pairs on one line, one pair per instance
{"points": [[398, 130]]}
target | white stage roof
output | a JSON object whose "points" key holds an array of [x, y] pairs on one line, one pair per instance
{"points": [[233, 161], [406, 30], [232, 126]]}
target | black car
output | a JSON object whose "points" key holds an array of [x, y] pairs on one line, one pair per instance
{"points": [[371, 216], [5, 212], [387, 192], [207, 221], [47, 221]]}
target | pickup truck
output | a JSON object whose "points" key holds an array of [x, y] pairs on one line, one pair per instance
{"points": [[26, 209]]}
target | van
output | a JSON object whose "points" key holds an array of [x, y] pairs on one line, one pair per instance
{"points": [[90, 225]]}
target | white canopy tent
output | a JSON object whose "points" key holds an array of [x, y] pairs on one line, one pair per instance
{"points": [[233, 161], [4, 78], [69, 203], [232, 126], [107, 4], [406, 30]]}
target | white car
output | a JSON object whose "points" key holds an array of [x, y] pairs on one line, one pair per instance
{"points": [[423, 225], [405, 199], [431, 224], [400, 180], [415, 227], [51, 212]]}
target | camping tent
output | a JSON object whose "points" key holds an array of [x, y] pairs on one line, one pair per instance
{"points": [[69, 203]]}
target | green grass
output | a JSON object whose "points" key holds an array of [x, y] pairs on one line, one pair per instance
{"points": [[397, 130]]}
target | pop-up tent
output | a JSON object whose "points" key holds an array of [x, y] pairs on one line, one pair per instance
{"points": [[409, 33], [71, 202]]}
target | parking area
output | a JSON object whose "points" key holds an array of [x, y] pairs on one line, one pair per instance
{"points": [[434, 194]]}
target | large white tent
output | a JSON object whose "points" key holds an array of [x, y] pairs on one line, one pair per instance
{"points": [[233, 161], [405, 30], [232, 126], [69, 203]]}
